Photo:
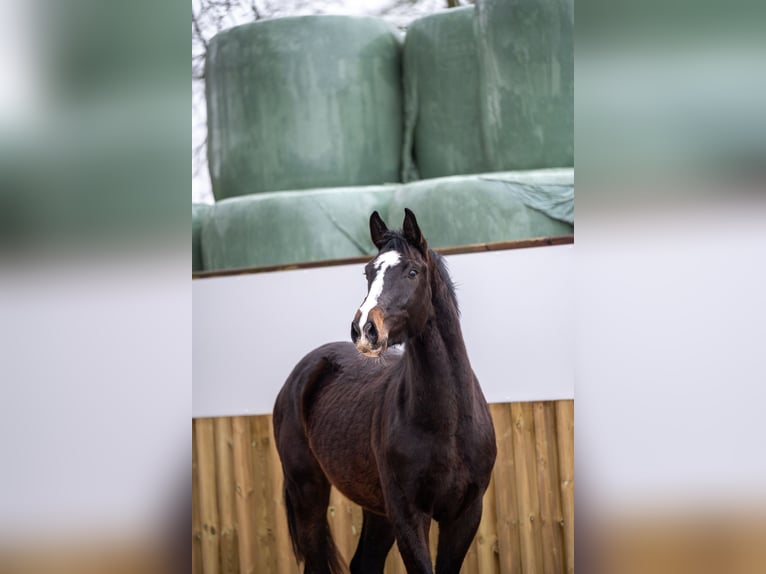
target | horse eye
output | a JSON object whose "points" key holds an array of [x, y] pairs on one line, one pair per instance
{"points": [[412, 273]]}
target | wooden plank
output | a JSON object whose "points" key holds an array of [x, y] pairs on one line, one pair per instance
{"points": [[283, 549], [260, 436], [471, 560], [506, 506], [196, 521], [394, 564], [526, 487], [549, 492], [208, 505], [486, 543], [565, 440], [245, 499], [461, 249], [433, 540], [225, 483]]}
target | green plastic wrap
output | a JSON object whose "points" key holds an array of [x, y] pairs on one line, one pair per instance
{"points": [[285, 227], [303, 102], [199, 212], [548, 190], [442, 131], [487, 208], [526, 73]]}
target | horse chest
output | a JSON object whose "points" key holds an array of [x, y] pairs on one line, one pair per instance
{"points": [[437, 473]]}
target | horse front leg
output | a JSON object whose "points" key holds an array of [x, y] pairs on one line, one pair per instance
{"points": [[398, 478], [411, 530], [455, 537], [376, 540]]}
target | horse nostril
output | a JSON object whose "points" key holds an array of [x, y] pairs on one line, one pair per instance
{"points": [[355, 334], [371, 332]]}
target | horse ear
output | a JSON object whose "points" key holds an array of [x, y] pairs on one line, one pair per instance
{"points": [[377, 230], [412, 232]]}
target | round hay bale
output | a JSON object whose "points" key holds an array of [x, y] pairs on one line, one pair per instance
{"points": [[486, 208], [303, 102], [526, 72], [281, 228], [441, 97], [199, 212]]}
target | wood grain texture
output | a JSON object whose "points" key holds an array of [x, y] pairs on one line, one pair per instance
{"points": [[196, 520], [225, 488], [549, 493], [526, 487], [565, 444], [207, 496], [527, 526]]}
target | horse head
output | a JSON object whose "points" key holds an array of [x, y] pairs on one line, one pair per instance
{"points": [[398, 302]]}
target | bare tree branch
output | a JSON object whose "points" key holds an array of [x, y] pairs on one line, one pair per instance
{"points": [[254, 9], [197, 31], [199, 153]]}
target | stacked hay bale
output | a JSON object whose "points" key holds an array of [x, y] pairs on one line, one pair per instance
{"points": [[307, 120], [304, 102], [526, 82], [200, 212], [487, 208], [442, 130], [278, 228]]}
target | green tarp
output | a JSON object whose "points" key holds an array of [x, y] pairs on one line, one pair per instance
{"points": [[442, 134], [307, 122], [548, 190], [461, 210], [199, 212], [285, 227], [304, 102], [526, 82]]}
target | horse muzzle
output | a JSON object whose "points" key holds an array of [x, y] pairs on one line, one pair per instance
{"points": [[371, 339]]}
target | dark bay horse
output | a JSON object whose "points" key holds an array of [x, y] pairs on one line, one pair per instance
{"points": [[406, 435]]}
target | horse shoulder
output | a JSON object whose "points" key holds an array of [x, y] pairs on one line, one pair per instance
{"points": [[479, 444]]}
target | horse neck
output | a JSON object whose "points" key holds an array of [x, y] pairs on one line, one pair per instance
{"points": [[438, 380]]}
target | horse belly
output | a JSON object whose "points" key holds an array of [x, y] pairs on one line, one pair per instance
{"points": [[359, 484], [342, 446]]}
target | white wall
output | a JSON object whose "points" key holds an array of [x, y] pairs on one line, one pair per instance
{"points": [[250, 330]]}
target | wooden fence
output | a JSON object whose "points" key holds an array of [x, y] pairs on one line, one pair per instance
{"points": [[239, 525]]}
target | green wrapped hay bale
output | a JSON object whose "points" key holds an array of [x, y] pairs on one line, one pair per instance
{"points": [[303, 102], [441, 97], [199, 212], [285, 227], [526, 72], [463, 210]]}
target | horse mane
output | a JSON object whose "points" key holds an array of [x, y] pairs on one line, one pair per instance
{"points": [[441, 267], [396, 240]]}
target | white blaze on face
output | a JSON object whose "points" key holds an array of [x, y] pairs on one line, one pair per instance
{"points": [[384, 262]]}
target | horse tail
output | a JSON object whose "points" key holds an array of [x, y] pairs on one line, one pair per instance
{"points": [[306, 488], [335, 563], [292, 527]]}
